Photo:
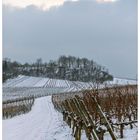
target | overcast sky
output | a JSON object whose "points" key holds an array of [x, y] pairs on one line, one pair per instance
{"points": [[102, 30]]}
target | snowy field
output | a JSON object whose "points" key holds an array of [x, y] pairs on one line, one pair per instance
{"points": [[43, 122], [29, 81], [11, 93], [23, 86]]}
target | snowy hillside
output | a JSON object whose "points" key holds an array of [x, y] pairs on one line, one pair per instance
{"points": [[122, 81], [23, 86], [28, 81]]}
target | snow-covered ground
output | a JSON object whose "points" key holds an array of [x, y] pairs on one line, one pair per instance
{"points": [[122, 81], [10, 93], [29, 81], [23, 86], [43, 122]]}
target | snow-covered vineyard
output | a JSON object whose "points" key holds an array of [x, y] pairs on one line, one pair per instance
{"points": [[23, 86], [28, 81], [43, 122]]}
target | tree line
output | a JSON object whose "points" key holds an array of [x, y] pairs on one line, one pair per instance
{"points": [[65, 67]]}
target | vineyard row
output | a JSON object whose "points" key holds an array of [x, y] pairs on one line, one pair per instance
{"points": [[97, 112]]}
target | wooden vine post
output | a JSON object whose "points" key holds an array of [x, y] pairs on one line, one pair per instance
{"points": [[108, 126], [86, 121]]}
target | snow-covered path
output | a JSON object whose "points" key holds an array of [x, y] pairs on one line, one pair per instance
{"points": [[43, 122]]}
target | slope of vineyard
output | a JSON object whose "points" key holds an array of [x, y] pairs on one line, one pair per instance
{"points": [[110, 110], [29, 81], [39, 86]]}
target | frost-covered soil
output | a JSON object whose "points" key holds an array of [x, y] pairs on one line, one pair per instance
{"points": [[43, 122]]}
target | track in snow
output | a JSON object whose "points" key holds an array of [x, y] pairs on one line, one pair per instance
{"points": [[43, 122]]}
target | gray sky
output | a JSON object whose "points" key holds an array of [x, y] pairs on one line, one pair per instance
{"points": [[103, 31]]}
